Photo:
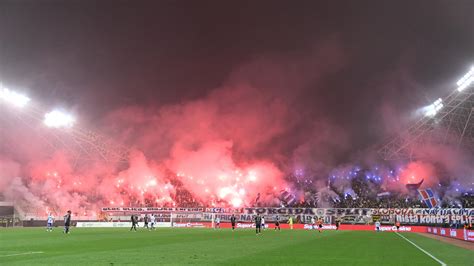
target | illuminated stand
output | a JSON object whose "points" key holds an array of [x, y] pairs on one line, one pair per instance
{"points": [[57, 129], [448, 121]]}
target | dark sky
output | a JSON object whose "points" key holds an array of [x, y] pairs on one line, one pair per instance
{"points": [[99, 55]]}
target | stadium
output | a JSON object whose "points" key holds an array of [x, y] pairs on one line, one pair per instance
{"points": [[267, 132]]}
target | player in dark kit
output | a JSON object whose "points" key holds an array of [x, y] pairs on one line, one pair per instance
{"points": [[258, 224], [277, 223], [67, 222], [134, 220], [338, 223], [232, 221], [145, 221]]}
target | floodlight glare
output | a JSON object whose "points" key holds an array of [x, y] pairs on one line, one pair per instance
{"points": [[466, 76], [58, 119], [13, 98], [433, 109], [466, 84], [466, 80]]}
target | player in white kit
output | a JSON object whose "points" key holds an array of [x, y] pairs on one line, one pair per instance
{"points": [[377, 226], [313, 223], [152, 222], [263, 223], [49, 226], [217, 223]]}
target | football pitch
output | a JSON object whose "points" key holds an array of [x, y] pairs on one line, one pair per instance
{"points": [[178, 246]]}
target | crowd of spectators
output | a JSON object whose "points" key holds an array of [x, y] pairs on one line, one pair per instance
{"points": [[369, 194]]}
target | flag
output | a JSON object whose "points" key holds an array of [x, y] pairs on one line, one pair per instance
{"points": [[287, 197], [414, 186], [427, 196]]}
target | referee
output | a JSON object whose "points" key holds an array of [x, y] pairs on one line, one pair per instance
{"points": [[134, 220], [67, 222], [258, 224]]}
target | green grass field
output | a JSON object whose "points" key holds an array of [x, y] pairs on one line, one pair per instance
{"points": [[28, 246]]}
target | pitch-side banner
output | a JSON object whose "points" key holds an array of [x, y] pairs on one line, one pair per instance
{"points": [[359, 211], [117, 224], [367, 215], [150, 209], [463, 234], [307, 211], [305, 215], [165, 209]]}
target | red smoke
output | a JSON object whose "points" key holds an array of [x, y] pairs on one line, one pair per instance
{"points": [[414, 172], [212, 175], [224, 148]]}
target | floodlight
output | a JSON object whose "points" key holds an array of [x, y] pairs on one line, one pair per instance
{"points": [[433, 109], [466, 76], [466, 80], [58, 119], [13, 98], [466, 84]]}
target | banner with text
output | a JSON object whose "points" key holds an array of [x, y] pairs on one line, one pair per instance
{"points": [[304, 215]]}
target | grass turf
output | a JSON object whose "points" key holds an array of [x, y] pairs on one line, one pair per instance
{"points": [[114, 246]]}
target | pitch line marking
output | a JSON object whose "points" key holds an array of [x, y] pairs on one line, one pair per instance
{"points": [[424, 251], [25, 253]]}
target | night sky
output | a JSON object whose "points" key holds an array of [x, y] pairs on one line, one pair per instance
{"points": [[386, 58]]}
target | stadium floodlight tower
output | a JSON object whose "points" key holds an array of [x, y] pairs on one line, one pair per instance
{"points": [[58, 130], [448, 121]]}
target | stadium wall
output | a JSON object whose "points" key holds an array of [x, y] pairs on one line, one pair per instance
{"points": [[348, 216], [419, 229], [462, 234]]}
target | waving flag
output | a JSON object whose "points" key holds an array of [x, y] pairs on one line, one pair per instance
{"points": [[428, 197], [414, 186]]}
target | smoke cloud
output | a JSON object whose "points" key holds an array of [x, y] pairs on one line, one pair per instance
{"points": [[234, 146]]}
